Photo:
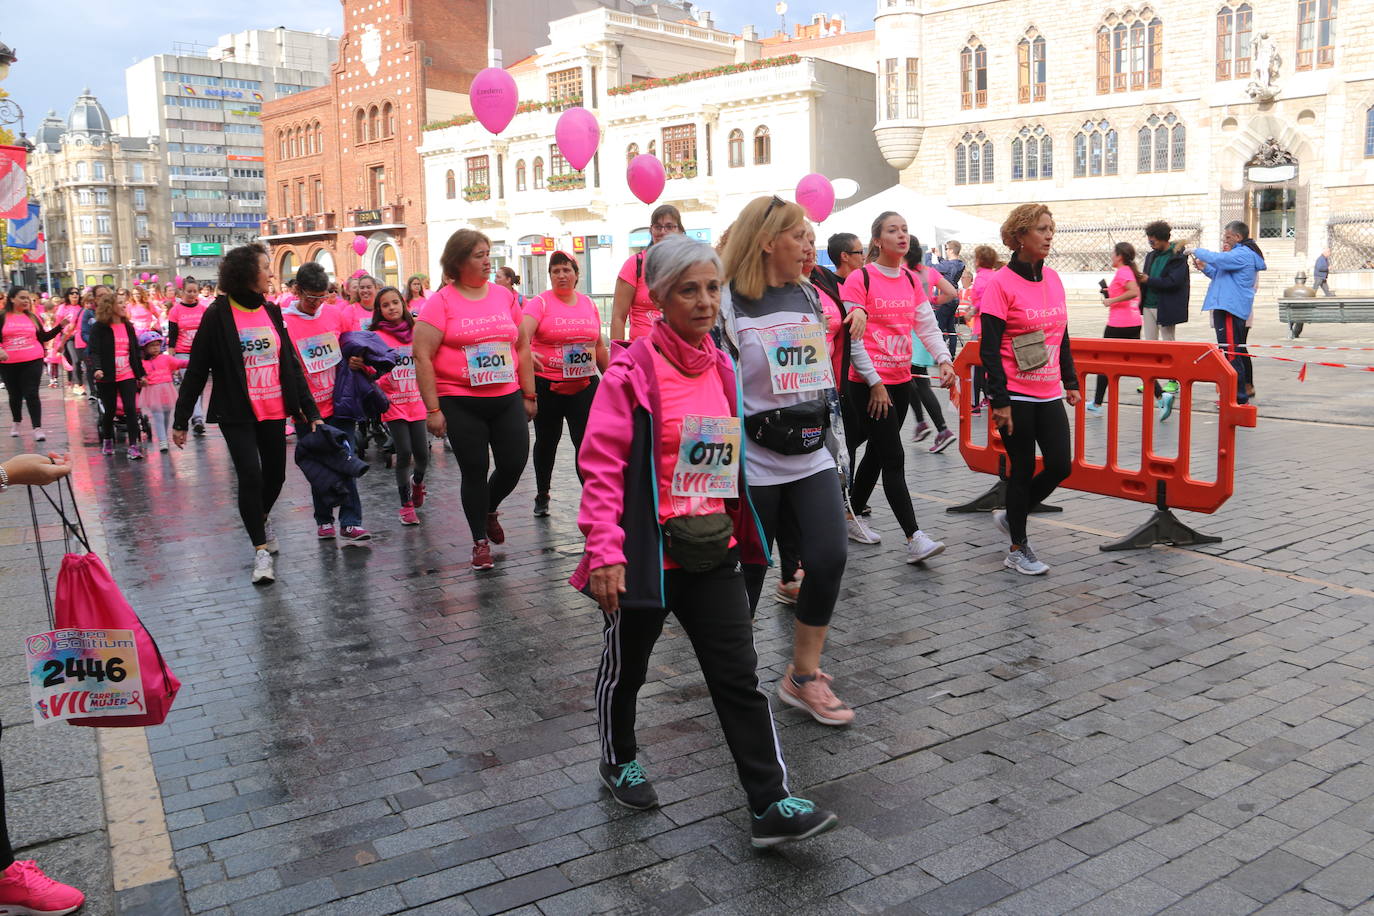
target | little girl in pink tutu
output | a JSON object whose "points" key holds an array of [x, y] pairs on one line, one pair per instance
{"points": [[159, 398]]}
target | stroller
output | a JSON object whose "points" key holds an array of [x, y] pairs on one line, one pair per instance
{"points": [[145, 423]]}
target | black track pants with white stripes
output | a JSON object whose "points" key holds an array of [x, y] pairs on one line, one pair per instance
{"points": [[713, 610]]}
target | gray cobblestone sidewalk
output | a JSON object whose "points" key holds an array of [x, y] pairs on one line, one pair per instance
{"points": [[1156, 731]]}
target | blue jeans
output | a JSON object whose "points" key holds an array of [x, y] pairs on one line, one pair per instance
{"points": [[351, 509]]}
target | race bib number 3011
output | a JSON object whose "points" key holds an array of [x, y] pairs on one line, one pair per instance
{"points": [[708, 458], [78, 673], [797, 357], [491, 363], [320, 352]]}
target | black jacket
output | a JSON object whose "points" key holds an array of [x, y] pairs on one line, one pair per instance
{"points": [[325, 456], [102, 346], [216, 352], [1168, 291]]}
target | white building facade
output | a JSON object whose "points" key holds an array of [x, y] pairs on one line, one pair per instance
{"points": [[205, 107], [1119, 112], [728, 122]]}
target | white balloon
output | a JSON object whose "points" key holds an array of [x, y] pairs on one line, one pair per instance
{"points": [[845, 188]]}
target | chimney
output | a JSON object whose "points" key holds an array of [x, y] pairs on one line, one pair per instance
{"points": [[750, 33], [704, 19]]}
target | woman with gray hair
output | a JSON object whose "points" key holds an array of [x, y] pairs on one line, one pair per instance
{"points": [[668, 521]]}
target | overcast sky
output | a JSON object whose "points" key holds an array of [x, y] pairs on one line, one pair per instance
{"points": [[66, 45]]}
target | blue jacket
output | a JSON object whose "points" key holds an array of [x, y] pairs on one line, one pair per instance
{"points": [[326, 458], [356, 395], [1233, 275]]}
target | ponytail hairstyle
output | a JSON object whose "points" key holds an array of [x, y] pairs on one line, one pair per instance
{"points": [[1126, 251]]}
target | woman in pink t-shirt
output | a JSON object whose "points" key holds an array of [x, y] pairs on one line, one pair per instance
{"points": [[896, 306], [1025, 301], [22, 337], [416, 294], [476, 376], [118, 369], [395, 325], [564, 328], [1122, 299], [632, 304]]}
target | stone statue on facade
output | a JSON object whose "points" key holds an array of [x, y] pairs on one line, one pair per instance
{"points": [[1272, 155], [1264, 70]]}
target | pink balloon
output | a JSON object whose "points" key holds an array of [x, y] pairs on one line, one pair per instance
{"points": [[817, 196], [578, 135], [494, 98], [646, 177], [359, 245], [180, 282], [155, 278], [143, 277]]}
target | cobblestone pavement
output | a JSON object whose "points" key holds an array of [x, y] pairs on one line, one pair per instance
{"points": [[384, 730]]}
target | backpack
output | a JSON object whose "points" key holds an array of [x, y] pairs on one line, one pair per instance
{"points": [[906, 272]]}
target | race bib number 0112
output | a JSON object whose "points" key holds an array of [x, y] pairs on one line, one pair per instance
{"points": [[797, 357], [490, 363], [79, 673], [708, 458]]}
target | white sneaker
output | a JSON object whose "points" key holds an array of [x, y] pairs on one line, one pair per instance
{"points": [[860, 533], [271, 533], [15, 431], [920, 547], [1025, 562], [999, 518], [39, 435], [263, 567]]}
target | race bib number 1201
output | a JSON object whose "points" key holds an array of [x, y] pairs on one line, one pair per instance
{"points": [[491, 363]]}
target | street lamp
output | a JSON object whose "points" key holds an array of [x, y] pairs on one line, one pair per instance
{"points": [[7, 57]]}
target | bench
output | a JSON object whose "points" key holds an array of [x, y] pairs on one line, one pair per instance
{"points": [[1327, 310]]}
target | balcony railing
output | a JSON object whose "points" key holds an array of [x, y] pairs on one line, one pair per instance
{"points": [[681, 168], [291, 225], [477, 192], [566, 182], [391, 214]]}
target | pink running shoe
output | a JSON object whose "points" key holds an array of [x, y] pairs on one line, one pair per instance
{"points": [[135, 453], [417, 493], [25, 889], [495, 533], [408, 516], [816, 698]]}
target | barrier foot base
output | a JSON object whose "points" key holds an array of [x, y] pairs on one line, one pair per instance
{"points": [[996, 498], [1163, 528]]}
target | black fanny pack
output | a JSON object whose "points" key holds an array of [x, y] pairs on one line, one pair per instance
{"points": [[795, 430], [698, 543]]}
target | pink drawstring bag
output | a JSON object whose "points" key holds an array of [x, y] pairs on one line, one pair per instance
{"points": [[88, 599]]}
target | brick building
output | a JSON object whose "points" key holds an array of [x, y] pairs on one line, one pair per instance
{"points": [[342, 160]]}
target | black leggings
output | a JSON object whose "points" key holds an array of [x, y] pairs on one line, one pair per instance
{"points": [[21, 384], [1043, 423], [1118, 333], [814, 511], [77, 359], [412, 445], [258, 451], [548, 427], [6, 850], [484, 431], [925, 395], [127, 392], [885, 454], [1232, 335], [713, 611]]}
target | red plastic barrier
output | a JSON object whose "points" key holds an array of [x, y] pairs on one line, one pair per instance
{"points": [[1161, 479]]}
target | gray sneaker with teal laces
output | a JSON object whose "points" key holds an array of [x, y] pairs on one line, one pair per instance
{"points": [[629, 785], [790, 819]]}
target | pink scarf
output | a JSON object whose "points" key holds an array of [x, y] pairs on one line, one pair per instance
{"points": [[686, 358]]}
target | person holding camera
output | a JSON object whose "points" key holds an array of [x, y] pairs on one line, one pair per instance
{"points": [[1121, 297]]}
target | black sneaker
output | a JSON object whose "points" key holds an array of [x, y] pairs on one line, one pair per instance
{"points": [[198, 426], [788, 820], [541, 506], [629, 785]]}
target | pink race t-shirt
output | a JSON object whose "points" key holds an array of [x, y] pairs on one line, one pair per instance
{"points": [[477, 356], [891, 304], [187, 318], [399, 384], [565, 336], [1025, 307], [144, 318], [643, 312], [353, 317], [158, 369], [259, 343], [1125, 314], [680, 397], [20, 338], [124, 370], [317, 344], [834, 326]]}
